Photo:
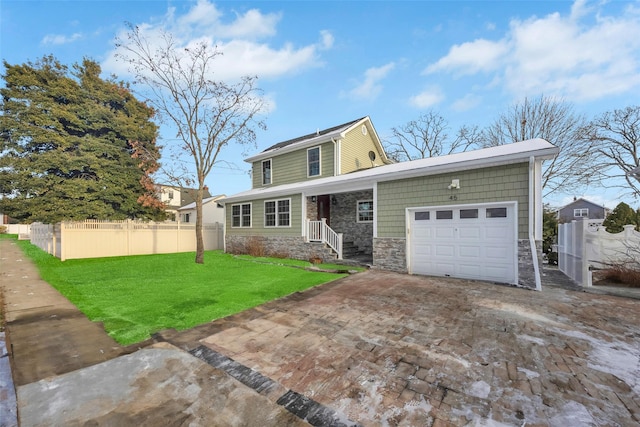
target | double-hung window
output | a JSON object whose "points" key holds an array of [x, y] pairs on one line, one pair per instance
{"points": [[313, 161], [365, 211], [277, 213], [241, 215], [581, 213], [266, 172]]}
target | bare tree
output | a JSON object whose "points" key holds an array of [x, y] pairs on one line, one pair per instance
{"points": [[208, 115], [615, 137], [427, 137], [554, 121]]}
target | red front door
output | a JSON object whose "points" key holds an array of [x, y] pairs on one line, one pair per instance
{"points": [[324, 208]]}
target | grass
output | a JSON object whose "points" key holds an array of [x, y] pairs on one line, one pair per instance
{"points": [[136, 296]]}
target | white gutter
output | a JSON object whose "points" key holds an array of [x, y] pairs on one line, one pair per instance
{"points": [[365, 179], [532, 210]]}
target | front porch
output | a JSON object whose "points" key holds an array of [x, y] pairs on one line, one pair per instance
{"points": [[344, 222]]}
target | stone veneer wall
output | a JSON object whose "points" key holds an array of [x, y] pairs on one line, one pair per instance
{"points": [[526, 272], [344, 220], [390, 254], [291, 247]]}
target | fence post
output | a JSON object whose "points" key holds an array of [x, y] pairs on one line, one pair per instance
{"points": [[63, 252], [586, 272]]}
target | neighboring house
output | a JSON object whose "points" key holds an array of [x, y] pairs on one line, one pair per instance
{"points": [[475, 215], [176, 197], [212, 211], [581, 209]]}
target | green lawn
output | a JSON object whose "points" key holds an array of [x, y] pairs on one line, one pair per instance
{"points": [[138, 295]]}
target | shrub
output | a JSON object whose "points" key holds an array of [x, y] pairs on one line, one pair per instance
{"points": [[552, 257], [255, 247], [3, 229], [623, 275]]}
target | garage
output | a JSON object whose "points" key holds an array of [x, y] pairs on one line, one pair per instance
{"points": [[466, 241]]}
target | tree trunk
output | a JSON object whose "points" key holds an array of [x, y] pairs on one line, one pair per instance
{"points": [[199, 238]]}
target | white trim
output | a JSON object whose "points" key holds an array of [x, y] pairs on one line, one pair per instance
{"points": [[270, 160], [531, 221], [250, 215], [373, 209], [319, 161], [518, 152], [277, 212], [315, 140], [510, 203]]}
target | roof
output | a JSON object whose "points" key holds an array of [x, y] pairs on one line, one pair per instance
{"points": [[581, 199], [317, 137], [365, 179], [204, 202]]}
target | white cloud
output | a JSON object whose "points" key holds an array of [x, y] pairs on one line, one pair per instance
{"points": [[466, 103], [242, 39], [583, 56], [427, 98], [58, 39], [370, 86], [471, 58]]}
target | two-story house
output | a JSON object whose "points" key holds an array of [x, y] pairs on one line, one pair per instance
{"points": [[475, 215], [175, 197], [581, 209]]}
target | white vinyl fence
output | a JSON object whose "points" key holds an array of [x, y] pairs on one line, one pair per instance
{"points": [[22, 230], [585, 244], [97, 239]]}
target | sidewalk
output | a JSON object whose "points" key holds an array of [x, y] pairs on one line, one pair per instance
{"points": [[68, 371]]}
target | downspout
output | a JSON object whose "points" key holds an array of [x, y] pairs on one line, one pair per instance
{"points": [[532, 210]]}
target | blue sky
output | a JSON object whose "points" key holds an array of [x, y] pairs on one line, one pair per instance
{"points": [[325, 63]]}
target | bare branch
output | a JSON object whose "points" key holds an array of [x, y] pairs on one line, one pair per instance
{"points": [[207, 114]]}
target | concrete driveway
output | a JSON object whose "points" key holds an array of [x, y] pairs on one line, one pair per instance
{"points": [[373, 349]]}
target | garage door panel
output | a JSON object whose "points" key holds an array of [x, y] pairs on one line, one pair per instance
{"points": [[466, 251], [466, 246], [442, 250], [443, 232], [473, 233], [497, 233], [497, 253]]}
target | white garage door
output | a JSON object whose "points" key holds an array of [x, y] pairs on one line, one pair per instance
{"points": [[466, 241]]}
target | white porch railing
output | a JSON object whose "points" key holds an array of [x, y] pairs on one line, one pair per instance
{"points": [[319, 231]]}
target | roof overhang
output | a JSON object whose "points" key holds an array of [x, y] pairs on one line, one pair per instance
{"points": [[320, 139], [366, 179]]}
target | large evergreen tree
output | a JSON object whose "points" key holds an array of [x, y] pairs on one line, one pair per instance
{"points": [[621, 215], [74, 146]]}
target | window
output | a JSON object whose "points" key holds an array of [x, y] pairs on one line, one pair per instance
{"points": [[186, 218], [581, 213], [422, 216], [241, 215], [444, 214], [266, 172], [468, 213], [313, 161], [170, 194], [496, 212], [277, 213], [365, 211]]}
